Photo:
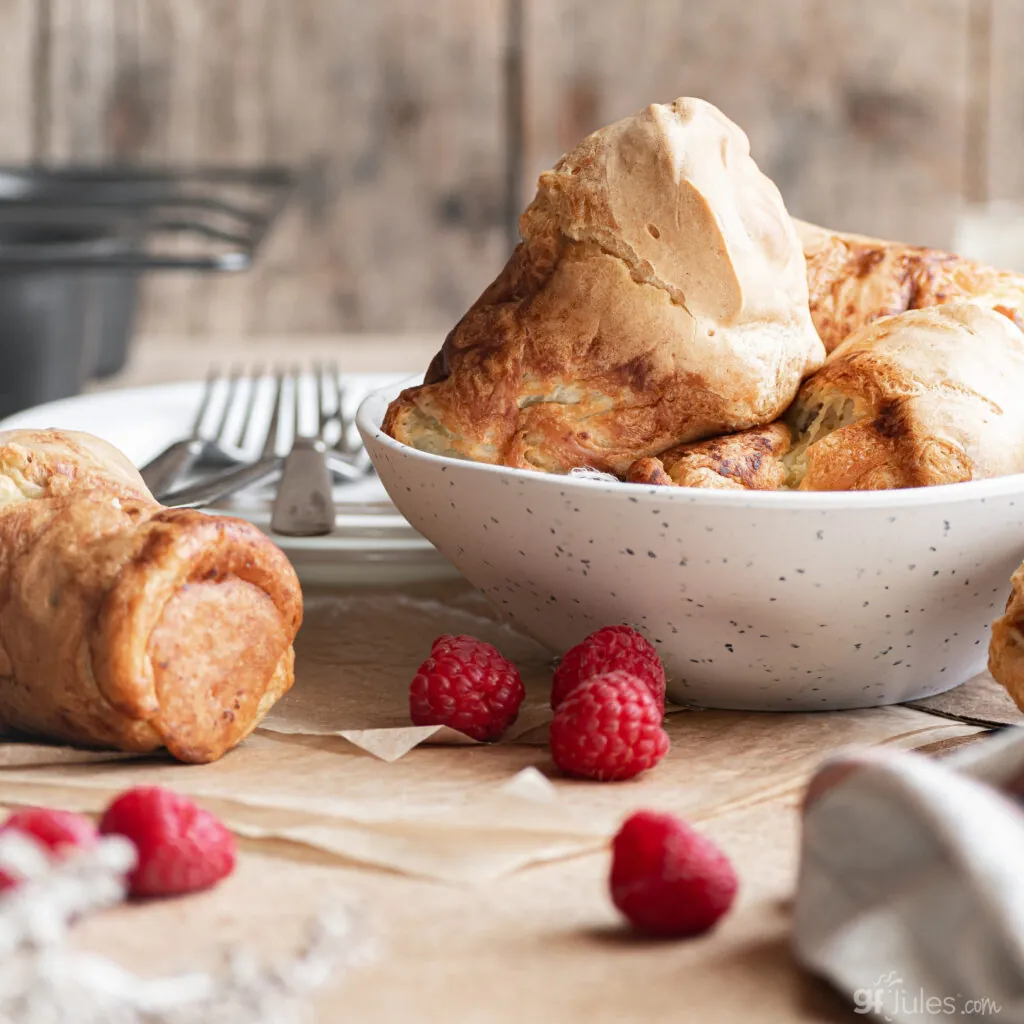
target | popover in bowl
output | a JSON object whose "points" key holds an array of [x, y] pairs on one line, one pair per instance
{"points": [[793, 458]]}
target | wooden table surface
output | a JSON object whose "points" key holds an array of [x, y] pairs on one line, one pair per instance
{"points": [[542, 943]]}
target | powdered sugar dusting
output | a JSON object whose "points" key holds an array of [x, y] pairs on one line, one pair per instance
{"points": [[44, 980]]}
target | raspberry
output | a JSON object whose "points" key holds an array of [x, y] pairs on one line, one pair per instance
{"points": [[608, 728], [610, 649], [59, 831], [668, 879], [467, 685], [181, 847]]}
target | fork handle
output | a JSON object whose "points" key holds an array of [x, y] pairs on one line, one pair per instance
{"points": [[348, 467], [304, 503], [162, 472], [205, 492]]}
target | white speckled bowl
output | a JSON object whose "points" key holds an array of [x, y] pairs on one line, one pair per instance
{"points": [[762, 601]]}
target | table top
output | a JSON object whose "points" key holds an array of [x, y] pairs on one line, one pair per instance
{"points": [[476, 907]]}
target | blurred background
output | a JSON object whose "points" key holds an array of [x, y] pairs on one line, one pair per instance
{"points": [[417, 129]]}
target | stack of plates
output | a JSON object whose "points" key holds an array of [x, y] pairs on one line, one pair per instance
{"points": [[372, 544]]}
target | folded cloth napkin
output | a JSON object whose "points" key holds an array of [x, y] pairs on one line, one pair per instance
{"points": [[910, 896]]}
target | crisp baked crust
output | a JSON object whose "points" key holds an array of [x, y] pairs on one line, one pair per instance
{"points": [[1006, 646], [58, 463], [124, 624], [931, 396], [752, 460], [659, 296], [854, 280]]}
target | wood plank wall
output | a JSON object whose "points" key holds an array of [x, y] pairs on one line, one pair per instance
{"points": [[420, 127]]}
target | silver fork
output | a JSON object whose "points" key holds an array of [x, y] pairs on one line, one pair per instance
{"points": [[304, 502], [198, 448], [350, 464], [262, 470], [347, 458], [348, 453]]}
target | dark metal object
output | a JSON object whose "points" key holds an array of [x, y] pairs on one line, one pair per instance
{"points": [[51, 323], [117, 298], [204, 219], [73, 242]]}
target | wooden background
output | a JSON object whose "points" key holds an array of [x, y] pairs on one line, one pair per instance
{"points": [[420, 127]]}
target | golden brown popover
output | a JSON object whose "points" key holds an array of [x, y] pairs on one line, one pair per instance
{"points": [[125, 624], [854, 280], [931, 396], [658, 296]]}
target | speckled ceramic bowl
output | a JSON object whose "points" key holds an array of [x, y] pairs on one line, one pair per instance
{"points": [[754, 600]]}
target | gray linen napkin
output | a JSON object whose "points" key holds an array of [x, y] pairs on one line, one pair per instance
{"points": [[910, 896]]}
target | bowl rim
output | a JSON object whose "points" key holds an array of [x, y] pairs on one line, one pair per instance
{"points": [[370, 415]]}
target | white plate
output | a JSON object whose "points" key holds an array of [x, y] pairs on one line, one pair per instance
{"points": [[372, 543]]}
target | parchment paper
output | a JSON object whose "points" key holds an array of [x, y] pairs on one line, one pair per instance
{"points": [[447, 813], [358, 653], [451, 813]]}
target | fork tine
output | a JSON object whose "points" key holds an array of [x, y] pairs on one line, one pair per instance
{"points": [[335, 375], [330, 408], [274, 426], [296, 377], [212, 376], [318, 377], [255, 377], [233, 379], [345, 443]]}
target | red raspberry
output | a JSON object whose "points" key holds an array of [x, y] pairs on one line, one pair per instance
{"points": [[668, 879], [608, 728], [610, 649], [59, 831], [181, 847], [467, 685]]}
